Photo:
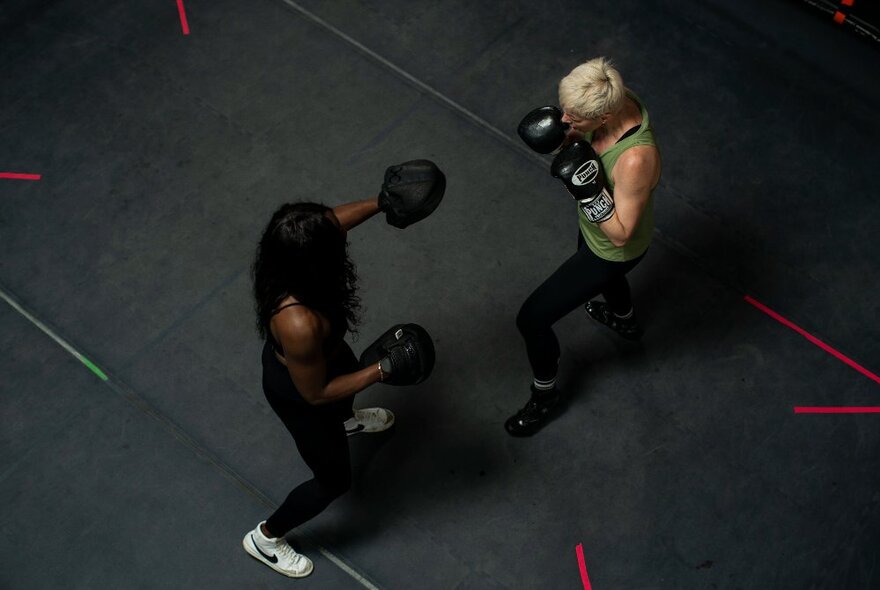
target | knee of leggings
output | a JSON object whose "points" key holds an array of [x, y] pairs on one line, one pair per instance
{"points": [[333, 487], [527, 323]]}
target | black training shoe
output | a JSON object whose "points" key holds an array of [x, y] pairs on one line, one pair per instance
{"points": [[628, 328], [538, 411]]}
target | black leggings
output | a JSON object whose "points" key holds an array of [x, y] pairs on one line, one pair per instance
{"points": [[580, 278], [319, 434]]}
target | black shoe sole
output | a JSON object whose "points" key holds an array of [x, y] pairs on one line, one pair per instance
{"points": [[600, 314], [515, 430]]}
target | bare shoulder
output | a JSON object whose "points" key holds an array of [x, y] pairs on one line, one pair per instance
{"points": [[639, 156], [638, 165], [300, 331]]}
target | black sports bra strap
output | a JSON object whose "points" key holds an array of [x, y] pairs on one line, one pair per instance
{"points": [[269, 335], [276, 310], [629, 132]]}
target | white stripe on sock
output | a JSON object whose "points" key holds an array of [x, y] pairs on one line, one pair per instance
{"points": [[544, 385]]}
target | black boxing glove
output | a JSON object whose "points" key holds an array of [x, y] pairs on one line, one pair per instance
{"points": [[405, 354], [543, 129], [579, 168], [411, 191]]}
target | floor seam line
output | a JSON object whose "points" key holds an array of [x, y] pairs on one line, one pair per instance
{"points": [[672, 244], [133, 398]]}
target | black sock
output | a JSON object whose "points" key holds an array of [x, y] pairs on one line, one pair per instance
{"points": [[545, 396]]}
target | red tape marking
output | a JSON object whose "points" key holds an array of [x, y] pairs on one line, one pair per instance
{"points": [[837, 410], [813, 339], [17, 176], [847, 2], [583, 565], [839, 17], [183, 24]]}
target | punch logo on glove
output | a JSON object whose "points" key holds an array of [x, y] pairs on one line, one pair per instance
{"points": [[598, 209], [585, 174], [579, 169]]}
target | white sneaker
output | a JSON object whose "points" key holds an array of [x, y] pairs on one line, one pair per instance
{"points": [[369, 420], [277, 554]]}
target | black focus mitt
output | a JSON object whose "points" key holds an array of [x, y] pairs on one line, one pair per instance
{"points": [[405, 354], [411, 191]]}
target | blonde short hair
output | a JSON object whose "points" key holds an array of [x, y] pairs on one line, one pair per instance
{"points": [[592, 89]]}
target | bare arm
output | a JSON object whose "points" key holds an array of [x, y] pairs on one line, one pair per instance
{"points": [[636, 173], [353, 214], [302, 338]]}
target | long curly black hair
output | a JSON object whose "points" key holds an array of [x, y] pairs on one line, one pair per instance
{"points": [[304, 254]]}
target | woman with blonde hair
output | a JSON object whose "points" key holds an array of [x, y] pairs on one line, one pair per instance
{"points": [[597, 108]]}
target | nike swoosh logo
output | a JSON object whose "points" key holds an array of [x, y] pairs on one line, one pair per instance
{"points": [[271, 558]]}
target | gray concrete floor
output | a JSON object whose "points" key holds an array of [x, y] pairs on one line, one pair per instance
{"points": [[679, 462]]}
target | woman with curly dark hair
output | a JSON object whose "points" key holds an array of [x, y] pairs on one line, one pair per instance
{"points": [[306, 300]]}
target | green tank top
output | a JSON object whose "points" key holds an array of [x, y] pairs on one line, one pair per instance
{"points": [[596, 240]]}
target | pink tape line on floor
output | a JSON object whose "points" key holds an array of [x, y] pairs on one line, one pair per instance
{"points": [[583, 566], [183, 24], [813, 339], [837, 410], [17, 176]]}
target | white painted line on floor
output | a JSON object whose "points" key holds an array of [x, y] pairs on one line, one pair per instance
{"points": [[347, 569], [473, 117], [48, 332], [178, 433]]}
